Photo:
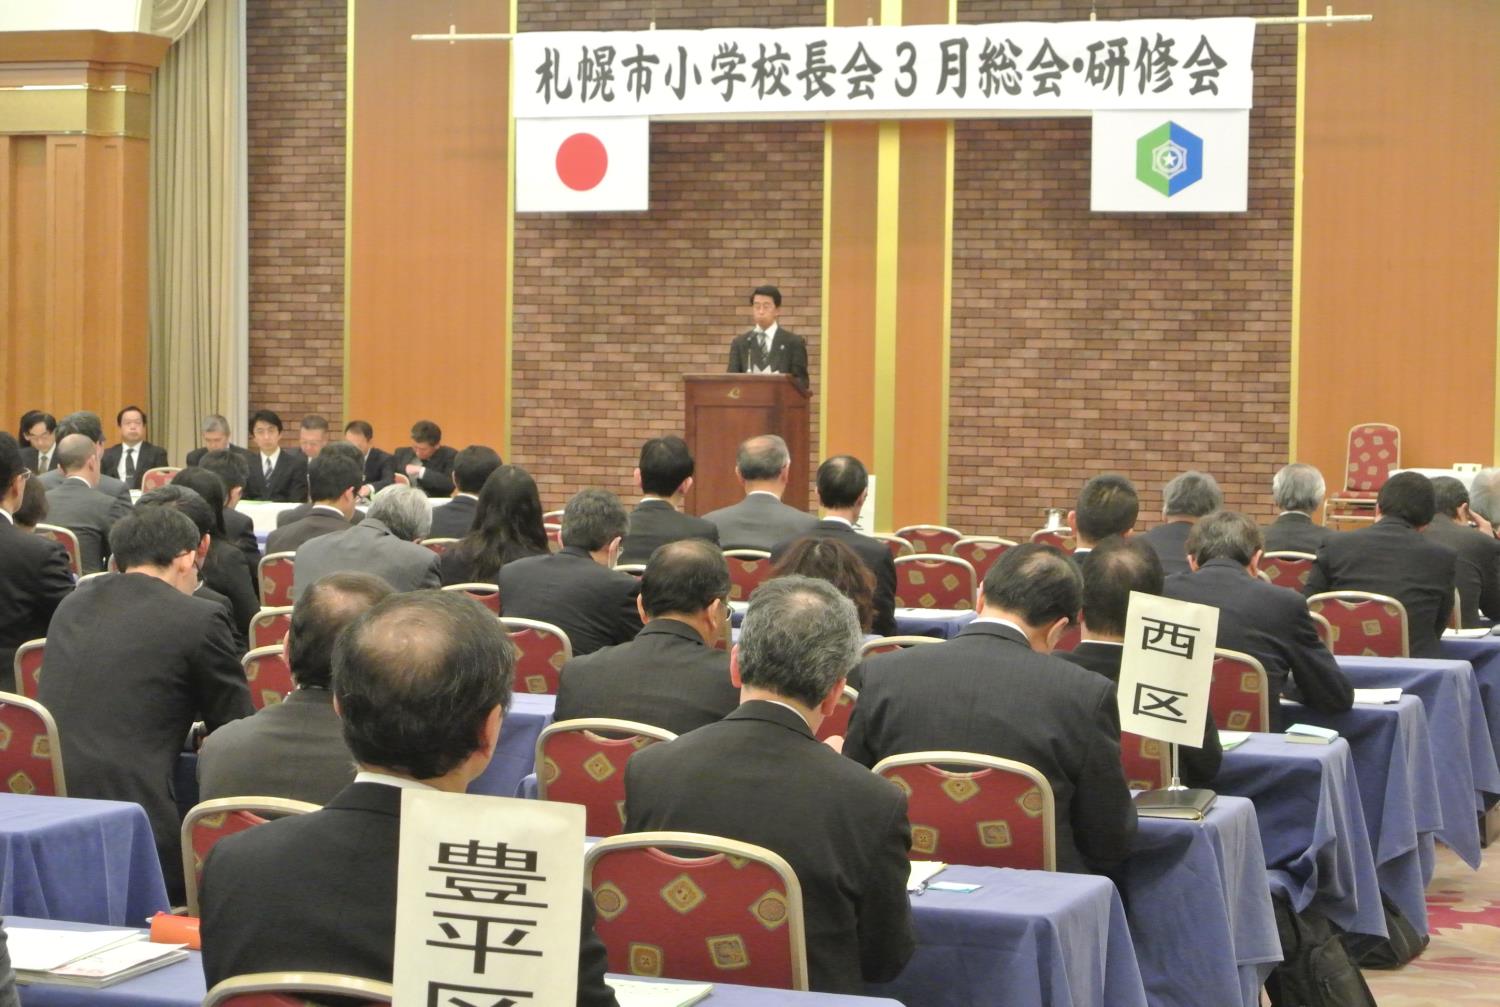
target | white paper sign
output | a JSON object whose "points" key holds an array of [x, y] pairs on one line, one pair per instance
{"points": [[488, 900], [885, 70], [1166, 670], [1173, 161]]}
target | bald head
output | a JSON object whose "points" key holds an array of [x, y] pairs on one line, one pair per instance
{"points": [[763, 459], [75, 452]]}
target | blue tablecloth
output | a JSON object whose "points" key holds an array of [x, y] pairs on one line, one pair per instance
{"points": [[1461, 749], [71, 859], [945, 623], [515, 756], [1312, 826], [1398, 789], [1025, 939], [1483, 654], [1200, 908]]}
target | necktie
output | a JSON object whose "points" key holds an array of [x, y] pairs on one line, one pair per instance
{"points": [[130, 464], [761, 357], [268, 471]]}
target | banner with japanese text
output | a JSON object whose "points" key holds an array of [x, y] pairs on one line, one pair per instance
{"points": [[1166, 669], [886, 71]]}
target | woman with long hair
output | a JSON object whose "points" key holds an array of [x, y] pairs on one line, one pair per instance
{"points": [[507, 526]]}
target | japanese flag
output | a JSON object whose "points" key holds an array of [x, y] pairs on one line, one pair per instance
{"points": [[567, 165]]}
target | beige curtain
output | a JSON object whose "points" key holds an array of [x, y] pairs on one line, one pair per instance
{"points": [[198, 227], [173, 17]]}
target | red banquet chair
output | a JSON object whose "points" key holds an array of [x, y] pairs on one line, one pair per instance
{"points": [[275, 572], [69, 541], [268, 675], [1288, 569], [933, 538], [929, 580], [981, 551], [712, 910], [269, 627], [1071, 636], [748, 570], [836, 724], [544, 649], [1372, 452], [583, 762], [487, 595], [899, 546], [1147, 762], [1061, 538], [1239, 695], [1324, 628], [1364, 624], [889, 644], [291, 989], [30, 752], [28, 666], [211, 821], [967, 808], [155, 479], [554, 536], [437, 545]]}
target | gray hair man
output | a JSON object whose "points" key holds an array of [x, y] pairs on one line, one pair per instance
{"points": [[761, 520], [1298, 490], [383, 544], [77, 505], [1185, 499], [760, 776], [89, 425], [1484, 500]]}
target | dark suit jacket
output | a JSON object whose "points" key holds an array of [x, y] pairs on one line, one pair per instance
{"points": [[297, 513], [1477, 572], [332, 904], [1391, 557], [986, 691], [1169, 539], [226, 571], [1198, 766], [759, 776], [37, 578], [454, 518], [196, 455], [322, 521], [457, 565], [437, 477], [147, 456], [108, 485], [655, 523], [1272, 625], [89, 514], [368, 547], [380, 469], [666, 677], [876, 555], [594, 606], [139, 663], [239, 531], [788, 354], [1295, 532], [288, 482], [760, 521], [291, 749], [29, 458]]}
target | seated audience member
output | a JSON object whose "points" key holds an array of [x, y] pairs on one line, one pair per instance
{"points": [[380, 466], [130, 458], [1107, 505], [1477, 572], [275, 475], [75, 503], [297, 513], [1110, 572], [333, 478], [38, 439], [831, 560], [295, 748], [1392, 557], [428, 463], [1184, 500], [1269, 623], [224, 568], [421, 683], [507, 526], [575, 589], [232, 470], [132, 662], [842, 483], [187, 500], [312, 435], [665, 476], [383, 544], [33, 509], [1298, 491], [996, 689], [759, 776], [37, 574], [1484, 500], [471, 468], [761, 520], [88, 424], [215, 435], [670, 675]]}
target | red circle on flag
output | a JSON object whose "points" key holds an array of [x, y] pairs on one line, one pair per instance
{"points": [[582, 161]]}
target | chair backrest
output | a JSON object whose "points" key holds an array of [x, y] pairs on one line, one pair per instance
{"points": [[981, 551], [30, 752], [290, 989], [1324, 628], [898, 545], [1288, 569], [275, 572], [437, 545], [155, 479], [553, 517], [554, 536], [967, 808], [268, 675], [269, 626], [69, 541], [1240, 694], [1374, 450], [583, 762], [487, 595], [207, 823], [930, 537], [96, 574], [1364, 624], [1147, 762], [729, 912], [401, 479], [1061, 538], [543, 650], [887, 644], [929, 580], [634, 569], [837, 722], [748, 569], [1070, 637], [28, 666]]}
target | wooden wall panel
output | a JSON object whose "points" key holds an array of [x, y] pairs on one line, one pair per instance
{"points": [[848, 392]]}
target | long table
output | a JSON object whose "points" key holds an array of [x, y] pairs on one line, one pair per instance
{"points": [[515, 756], [1483, 655]]}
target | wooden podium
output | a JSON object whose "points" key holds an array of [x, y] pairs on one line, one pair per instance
{"points": [[721, 410]]}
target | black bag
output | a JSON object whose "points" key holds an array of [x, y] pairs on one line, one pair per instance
{"points": [[1315, 970], [1402, 946]]}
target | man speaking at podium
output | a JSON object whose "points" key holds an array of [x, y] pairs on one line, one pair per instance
{"points": [[768, 348]]}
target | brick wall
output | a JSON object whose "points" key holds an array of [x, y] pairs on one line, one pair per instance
{"points": [[1143, 343], [295, 71]]}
